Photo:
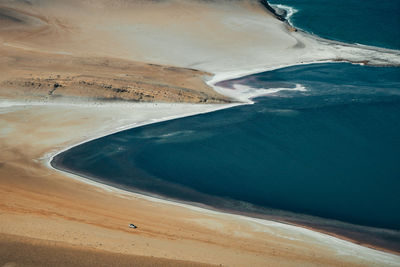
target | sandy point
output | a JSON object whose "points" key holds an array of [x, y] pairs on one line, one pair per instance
{"points": [[62, 63]]}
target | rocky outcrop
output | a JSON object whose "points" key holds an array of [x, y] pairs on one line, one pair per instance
{"points": [[272, 10]]}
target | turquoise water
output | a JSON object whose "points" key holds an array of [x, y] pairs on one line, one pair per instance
{"points": [[369, 22], [330, 151]]}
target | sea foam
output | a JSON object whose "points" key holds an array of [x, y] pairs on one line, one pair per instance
{"points": [[286, 11], [245, 93]]}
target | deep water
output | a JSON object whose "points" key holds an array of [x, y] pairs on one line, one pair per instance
{"points": [[331, 151], [369, 22]]}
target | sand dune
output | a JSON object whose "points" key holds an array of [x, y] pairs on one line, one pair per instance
{"points": [[54, 52], [45, 205], [43, 76], [212, 36]]}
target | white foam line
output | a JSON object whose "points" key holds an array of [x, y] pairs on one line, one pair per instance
{"points": [[246, 93], [210, 108], [360, 251], [290, 11], [229, 75], [341, 246]]}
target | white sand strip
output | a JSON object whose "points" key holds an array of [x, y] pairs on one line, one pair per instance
{"points": [[127, 116]]}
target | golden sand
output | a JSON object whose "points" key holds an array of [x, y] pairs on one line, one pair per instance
{"points": [[85, 51]]}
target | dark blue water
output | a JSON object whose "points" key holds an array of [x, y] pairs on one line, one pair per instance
{"points": [[331, 151], [370, 22]]}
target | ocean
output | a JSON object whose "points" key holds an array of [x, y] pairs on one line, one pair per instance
{"points": [[322, 150], [368, 22]]}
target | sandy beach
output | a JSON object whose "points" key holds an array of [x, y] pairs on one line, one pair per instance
{"points": [[145, 52], [45, 205]]}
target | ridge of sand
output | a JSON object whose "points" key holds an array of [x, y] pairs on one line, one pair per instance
{"points": [[43, 76], [113, 49], [47, 205], [93, 38], [37, 202]]}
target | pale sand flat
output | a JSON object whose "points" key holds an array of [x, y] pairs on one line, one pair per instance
{"points": [[224, 38], [38, 202]]}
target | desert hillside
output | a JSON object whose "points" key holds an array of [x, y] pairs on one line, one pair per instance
{"points": [[147, 51]]}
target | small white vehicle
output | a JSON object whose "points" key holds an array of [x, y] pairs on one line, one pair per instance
{"points": [[132, 226]]}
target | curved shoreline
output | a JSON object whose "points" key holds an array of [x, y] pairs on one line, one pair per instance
{"points": [[345, 245], [41, 202], [200, 206], [272, 10], [277, 216], [227, 75]]}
